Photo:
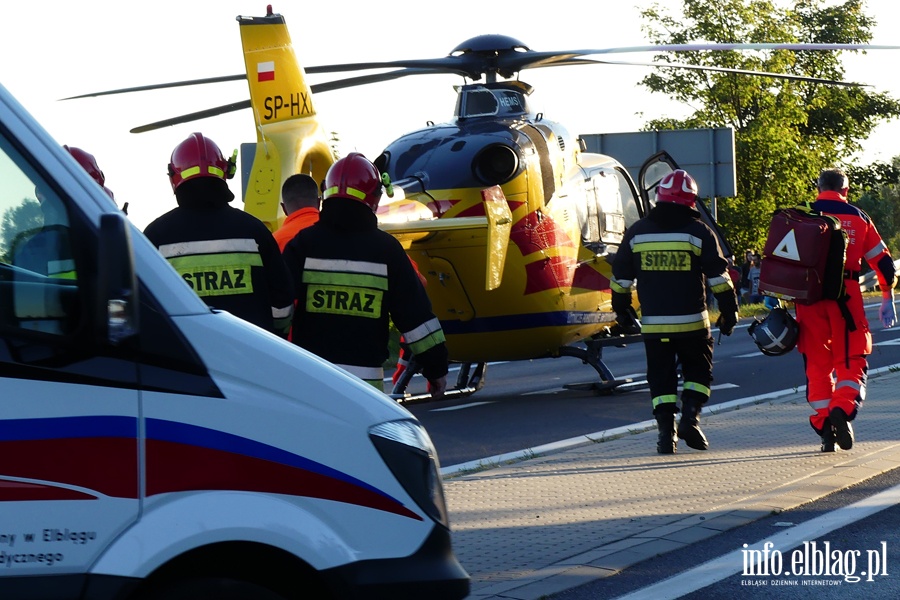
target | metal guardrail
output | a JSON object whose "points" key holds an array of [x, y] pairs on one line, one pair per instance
{"points": [[869, 281]]}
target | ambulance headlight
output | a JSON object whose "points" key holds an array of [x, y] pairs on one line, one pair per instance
{"points": [[407, 450]]}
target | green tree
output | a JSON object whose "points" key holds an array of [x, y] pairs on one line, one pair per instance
{"points": [[786, 131], [876, 189], [19, 220]]}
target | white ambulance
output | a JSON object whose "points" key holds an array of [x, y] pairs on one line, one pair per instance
{"points": [[151, 448]]}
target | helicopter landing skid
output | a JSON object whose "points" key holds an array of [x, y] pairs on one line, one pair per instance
{"points": [[592, 354], [468, 382]]}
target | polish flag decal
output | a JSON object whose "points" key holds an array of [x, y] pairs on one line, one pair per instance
{"points": [[265, 71]]}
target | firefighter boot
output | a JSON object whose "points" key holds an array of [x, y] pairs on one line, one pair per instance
{"points": [[689, 425], [828, 437], [843, 430], [665, 423]]}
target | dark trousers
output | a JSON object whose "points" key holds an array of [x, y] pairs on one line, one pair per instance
{"points": [[663, 356]]}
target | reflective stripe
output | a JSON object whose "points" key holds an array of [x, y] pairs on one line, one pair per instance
{"points": [[847, 383], [360, 280], [61, 269], [675, 323], [621, 285], [675, 319], [351, 191], [878, 249], [721, 283], [189, 172], [666, 241], [667, 399], [364, 373], [214, 171], [231, 259], [697, 387], [428, 327], [428, 342], [281, 313], [209, 247], [351, 266], [818, 405]]}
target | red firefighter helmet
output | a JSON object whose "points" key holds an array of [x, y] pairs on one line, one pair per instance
{"points": [[89, 164], [677, 187], [199, 156], [354, 177]]}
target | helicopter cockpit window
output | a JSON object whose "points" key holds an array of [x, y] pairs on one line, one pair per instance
{"points": [[38, 279], [480, 103], [608, 194]]}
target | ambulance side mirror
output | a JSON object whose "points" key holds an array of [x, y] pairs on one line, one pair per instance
{"points": [[117, 302]]}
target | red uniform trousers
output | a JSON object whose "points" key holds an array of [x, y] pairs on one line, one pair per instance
{"points": [[835, 357]]}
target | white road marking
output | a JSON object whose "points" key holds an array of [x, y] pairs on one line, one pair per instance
{"points": [[461, 406], [732, 563]]}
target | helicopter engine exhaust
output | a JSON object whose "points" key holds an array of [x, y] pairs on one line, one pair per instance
{"points": [[495, 165]]}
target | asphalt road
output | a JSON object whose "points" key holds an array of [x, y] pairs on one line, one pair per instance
{"points": [[524, 404]]}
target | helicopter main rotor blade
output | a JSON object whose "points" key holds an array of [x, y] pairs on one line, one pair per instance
{"points": [[210, 112], [316, 89], [477, 59], [160, 86], [590, 61]]}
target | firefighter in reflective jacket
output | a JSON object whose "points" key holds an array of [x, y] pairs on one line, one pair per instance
{"points": [[227, 256], [834, 335], [671, 256], [352, 279]]}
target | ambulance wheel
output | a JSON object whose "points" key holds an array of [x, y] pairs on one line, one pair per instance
{"points": [[210, 588]]}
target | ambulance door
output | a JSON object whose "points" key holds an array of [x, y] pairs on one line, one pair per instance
{"points": [[69, 444]]}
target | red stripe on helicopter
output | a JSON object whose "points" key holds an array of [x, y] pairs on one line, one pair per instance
{"points": [[532, 233], [588, 278], [551, 273]]}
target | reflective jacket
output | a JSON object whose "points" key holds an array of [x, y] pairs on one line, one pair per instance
{"points": [[670, 256], [351, 280], [230, 259], [863, 243]]}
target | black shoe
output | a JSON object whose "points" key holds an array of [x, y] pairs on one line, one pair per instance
{"points": [[843, 430], [689, 427], [828, 438], [668, 440]]}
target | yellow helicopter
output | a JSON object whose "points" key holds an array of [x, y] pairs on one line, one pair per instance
{"points": [[509, 220]]}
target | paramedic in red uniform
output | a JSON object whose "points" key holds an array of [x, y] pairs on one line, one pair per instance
{"points": [[352, 279], [671, 256], [834, 337], [227, 256]]}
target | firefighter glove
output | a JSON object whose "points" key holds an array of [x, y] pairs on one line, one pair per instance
{"points": [[627, 322], [726, 322], [888, 313]]}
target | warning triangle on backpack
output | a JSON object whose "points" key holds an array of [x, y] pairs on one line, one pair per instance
{"points": [[787, 247]]}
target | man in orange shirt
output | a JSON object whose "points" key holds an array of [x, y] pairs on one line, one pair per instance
{"points": [[300, 201]]}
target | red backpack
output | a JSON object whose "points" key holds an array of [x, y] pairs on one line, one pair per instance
{"points": [[803, 259]]}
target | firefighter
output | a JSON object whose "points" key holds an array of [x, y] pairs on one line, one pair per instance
{"points": [[670, 256], [834, 335], [89, 164], [227, 256], [352, 279]]}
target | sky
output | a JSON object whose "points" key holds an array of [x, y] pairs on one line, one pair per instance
{"points": [[58, 48]]}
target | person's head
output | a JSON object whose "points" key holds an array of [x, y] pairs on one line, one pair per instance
{"points": [[833, 180], [356, 178], [89, 164], [677, 187], [198, 158], [299, 191]]}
